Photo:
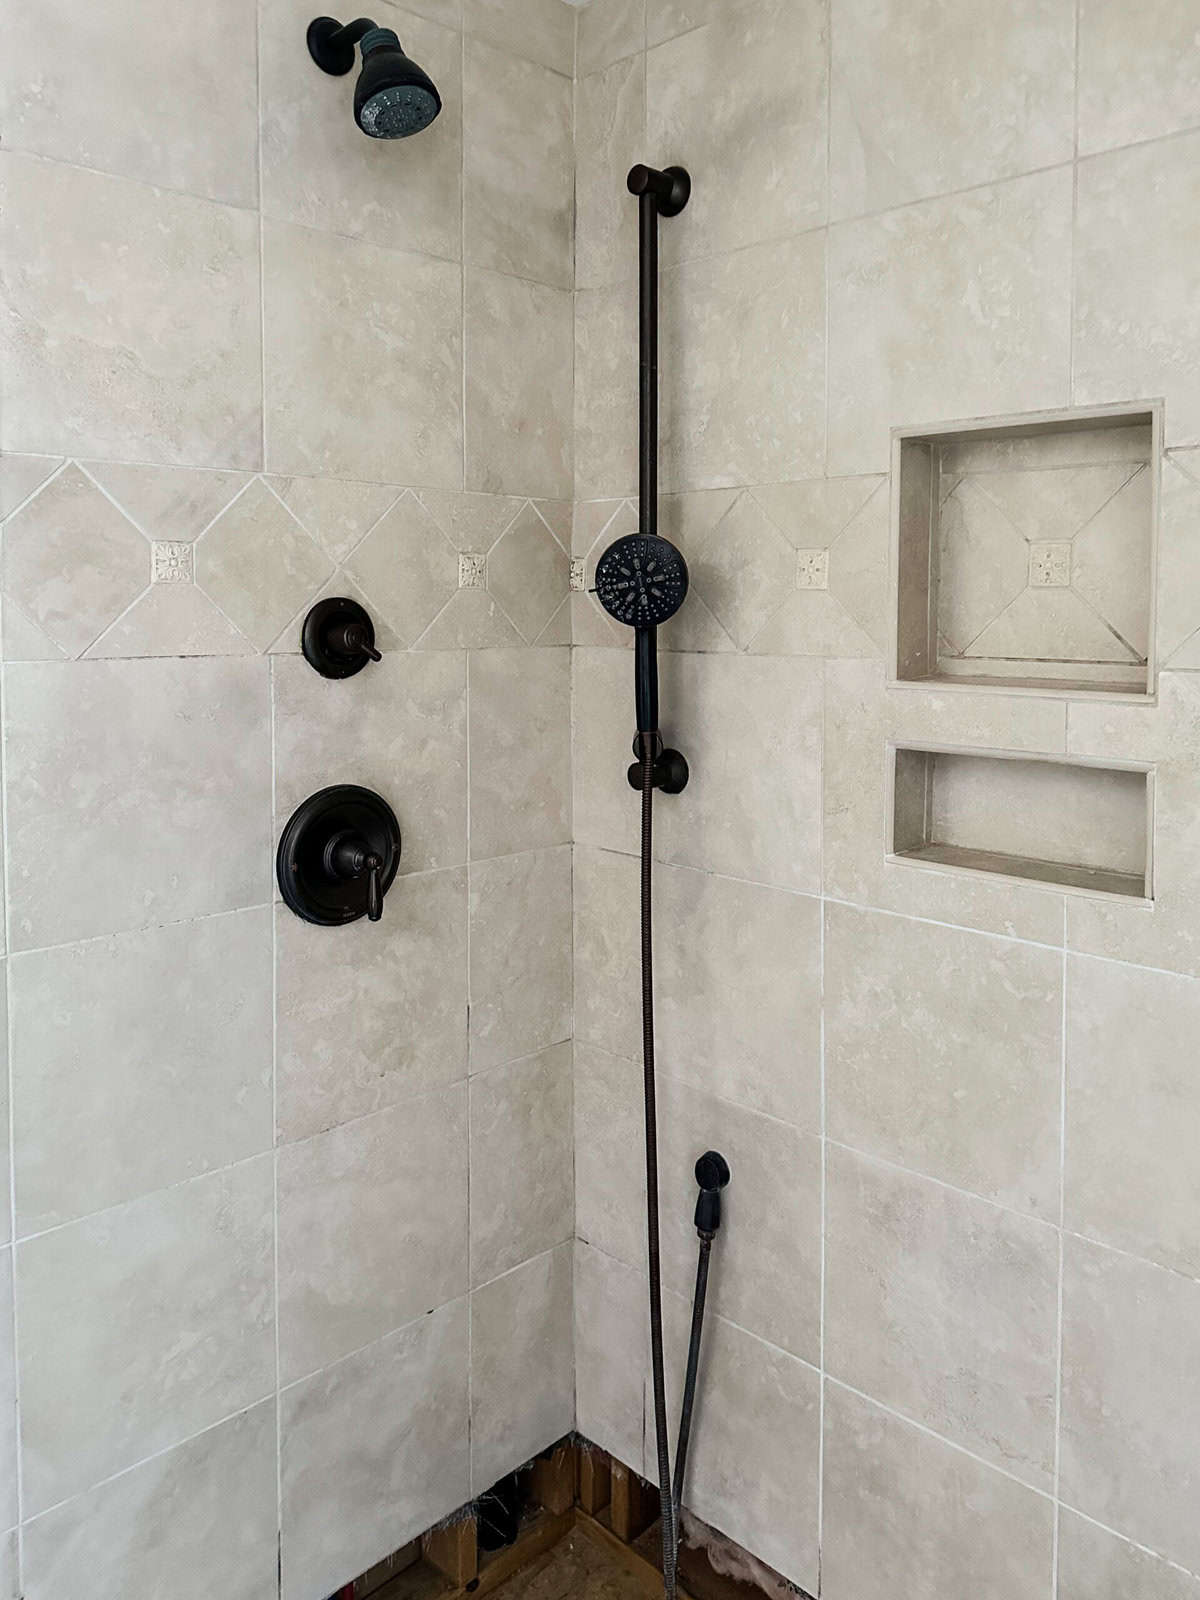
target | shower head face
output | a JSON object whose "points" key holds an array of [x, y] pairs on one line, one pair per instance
{"points": [[393, 98], [641, 580]]}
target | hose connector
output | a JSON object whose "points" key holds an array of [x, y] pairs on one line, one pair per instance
{"points": [[712, 1174]]}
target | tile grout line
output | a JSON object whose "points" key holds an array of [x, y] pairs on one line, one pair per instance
{"points": [[275, 1162]]}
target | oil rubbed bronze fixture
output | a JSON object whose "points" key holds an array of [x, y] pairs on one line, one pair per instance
{"points": [[338, 856], [338, 638], [393, 97]]}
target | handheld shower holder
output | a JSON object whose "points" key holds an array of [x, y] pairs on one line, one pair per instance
{"points": [[671, 771]]}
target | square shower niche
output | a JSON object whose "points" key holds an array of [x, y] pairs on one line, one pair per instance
{"points": [[1073, 824], [1024, 552]]}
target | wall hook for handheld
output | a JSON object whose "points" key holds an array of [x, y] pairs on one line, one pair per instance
{"points": [[338, 638], [338, 856]]}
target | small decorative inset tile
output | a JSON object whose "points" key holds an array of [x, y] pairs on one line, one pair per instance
{"points": [[171, 561], [1050, 565], [812, 569], [472, 569], [578, 577]]}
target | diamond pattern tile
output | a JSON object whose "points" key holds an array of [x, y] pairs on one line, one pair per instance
{"points": [[258, 564], [406, 567], [529, 573]]}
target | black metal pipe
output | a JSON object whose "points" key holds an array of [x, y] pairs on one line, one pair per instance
{"points": [[648, 361], [351, 32]]}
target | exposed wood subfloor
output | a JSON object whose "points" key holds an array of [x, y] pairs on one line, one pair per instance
{"points": [[576, 1569]]}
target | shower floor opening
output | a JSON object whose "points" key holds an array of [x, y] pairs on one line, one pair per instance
{"points": [[586, 1528]]}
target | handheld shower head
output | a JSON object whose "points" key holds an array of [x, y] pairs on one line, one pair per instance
{"points": [[641, 580], [393, 97]]}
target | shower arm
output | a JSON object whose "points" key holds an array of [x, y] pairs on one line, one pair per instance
{"points": [[331, 43]]}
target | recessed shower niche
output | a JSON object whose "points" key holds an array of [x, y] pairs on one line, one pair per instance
{"points": [[1072, 824], [1024, 551]]}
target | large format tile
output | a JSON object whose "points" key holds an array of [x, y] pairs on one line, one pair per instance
{"points": [[8, 1398], [259, 564], [184, 1278], [943, 1053], [926, 101], [608, 141], [372, 1228], [610, 1161], [518, 167], [608, 30], [399, 728], [1137, 312], [377, 1012], [743, 367], [196, 1519], [899, 1501], [1131, 1177], [187, 121], [757, 162], [119, 773], [318, 169], [956, 307], [520, 738], [1130, 1410], [539, 30], [139, 1061], [522, 1365], [374, 1451], [611, 1351], [1094, 1564], [945, 1308], [151, 351], [520, 955], [606, 391], [522, 1199], [1139, 72], [518, 386], [363, 359]]}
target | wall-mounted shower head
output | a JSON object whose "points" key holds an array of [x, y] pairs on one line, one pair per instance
{"points": [[641, 580], [393, 97]]}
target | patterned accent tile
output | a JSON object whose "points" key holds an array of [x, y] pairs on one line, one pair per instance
{"points": [[1050, 565], [472, 569], [171, 561], [528, 573], [812, 569], [406, 567]]}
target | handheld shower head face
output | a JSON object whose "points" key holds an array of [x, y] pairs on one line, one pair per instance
{"points": [[641, 580], [393, 97]]}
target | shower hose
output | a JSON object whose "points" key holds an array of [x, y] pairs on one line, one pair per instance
{"points": [[670, 1495]]}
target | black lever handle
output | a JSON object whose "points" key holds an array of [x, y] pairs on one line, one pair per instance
{"points": [[374, 889], [351, 640], [347, 855]]}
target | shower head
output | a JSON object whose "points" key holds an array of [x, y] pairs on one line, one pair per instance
{"points": [[393, 97], [641, 580]]}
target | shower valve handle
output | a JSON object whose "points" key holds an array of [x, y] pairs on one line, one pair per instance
{"points": [[352, 640], [347, 855]]}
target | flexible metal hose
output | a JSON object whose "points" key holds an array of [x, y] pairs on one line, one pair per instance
{"points": [[653, 1256], [693, 1369]]}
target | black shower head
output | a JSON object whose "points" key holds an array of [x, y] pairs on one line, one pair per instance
{"points": [[393, 97], [641, 580]]}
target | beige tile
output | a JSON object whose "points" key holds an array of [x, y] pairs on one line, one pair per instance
{"points": [[6, 1227], [185, 1277], [337, 514], [170, 619], [898, 1500], [741, 565], [755, 176], [610, 1162], [528, 573], [522, 1198], [470, 620], [72, 562], [520, 733], [520, 955], [753, 1464], [1178, 614], [766, 1266], [666, 18], [926, 103], [750, 729], [606, 810], [518, 166], [159, 360], [1129, 1403], [317, 167], [406, 567], [944, 1308], [1135, 311], [368, 1242], [539, 30], [743, 362], [150, 1531], [1130, 1175], [518, 386], [374, 1451], [607, 968], [522, 1365], [9, 1586], [186, 122], [8, 1399], [363, 359], [609, 118], [943, 1053], [120, 747], [259, 564], [168, 502], [470, 521], [376, 1014], [607, 31], [1138, 72], [139, 1061], [1094, 1564], [606, 391], [717, 938], [956, 307], [610, 1353], [399, 728], [21, 476]]}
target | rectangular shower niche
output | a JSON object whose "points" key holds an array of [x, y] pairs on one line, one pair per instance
{"points": [[1024, 551], [1069, 823]]}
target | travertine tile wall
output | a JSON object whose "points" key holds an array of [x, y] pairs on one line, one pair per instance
{"points": [[957, 1298], [291, 1208]]}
